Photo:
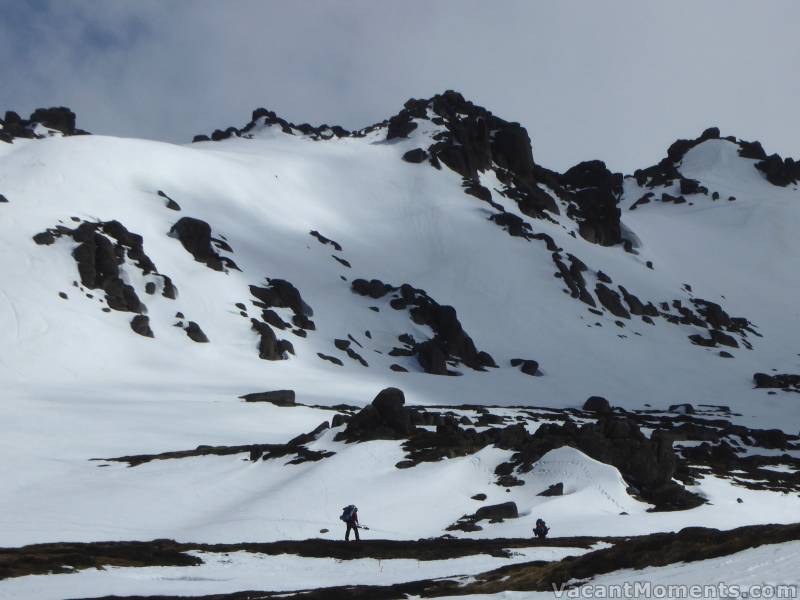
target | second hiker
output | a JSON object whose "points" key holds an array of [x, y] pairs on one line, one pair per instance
{"points": [[541, 529]]}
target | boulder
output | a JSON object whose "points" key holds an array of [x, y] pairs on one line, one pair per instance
{"points": [[417, 155], [276, 397], [611, 301], [529, 367], [195, 236], [195, 333], [597, 404], [141, 325], [557, 489], [506, 510], [385, 418], [389, 401]]}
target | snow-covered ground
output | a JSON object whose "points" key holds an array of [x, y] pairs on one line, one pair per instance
{"points": [[78, 384], [764, 572], [231, 572]]}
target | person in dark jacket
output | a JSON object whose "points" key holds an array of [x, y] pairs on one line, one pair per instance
{"points": [[541, 529], [352, 523]]}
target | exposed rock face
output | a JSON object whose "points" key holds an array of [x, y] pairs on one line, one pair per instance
{"points": [[269, 347], [596, 191], [529, 367], [647, 464], [282, 294], [386, 418], [506, 510], [557, 489], [417, 155], [323, 240], [782, 381], [450, 343], [58, 118], [263, 117], [141, 325], [195, 236], [276, 397], [610, 299], [100, 256], [780, 171], [171, 204], [473, 140], [494, 513], [331, 359], [195, 333], [597, 404]]}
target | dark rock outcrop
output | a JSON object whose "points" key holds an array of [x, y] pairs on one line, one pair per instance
{"points": [[780, 171], [171, 204], [262, 117], [647, 464], [100, 256], [597, 404], [778, 381], [195, 333], [386, 418], [330, 359], [195, 236], [58, 118], [557, 489], [450, 342], [269, 347], [506, 510], [610, 299], [595, 194], [141, 325], [473, 140], [529, 367], [280, 293], [323, 240], [276, 397], [417, 155]]}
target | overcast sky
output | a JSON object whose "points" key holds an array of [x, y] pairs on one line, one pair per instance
{"points": [[615, 80]]}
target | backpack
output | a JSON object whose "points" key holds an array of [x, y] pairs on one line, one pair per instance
{"points": [[347, 513]]}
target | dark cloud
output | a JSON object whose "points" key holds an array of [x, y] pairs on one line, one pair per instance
{"points": [[614, 80]]}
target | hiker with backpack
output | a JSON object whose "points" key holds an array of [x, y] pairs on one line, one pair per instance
{"points": [[541, 529], [350, 516]]}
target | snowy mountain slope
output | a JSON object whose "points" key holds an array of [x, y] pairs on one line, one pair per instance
{"points": [[651, 291], [399, 223]]}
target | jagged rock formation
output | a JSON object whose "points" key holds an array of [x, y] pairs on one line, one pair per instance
{"points": [[785, 381], [59, 119], [100, 255], [195, 236], [450, 343]]}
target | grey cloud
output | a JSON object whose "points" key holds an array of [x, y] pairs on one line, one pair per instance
{"points": [[612, 80]]}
